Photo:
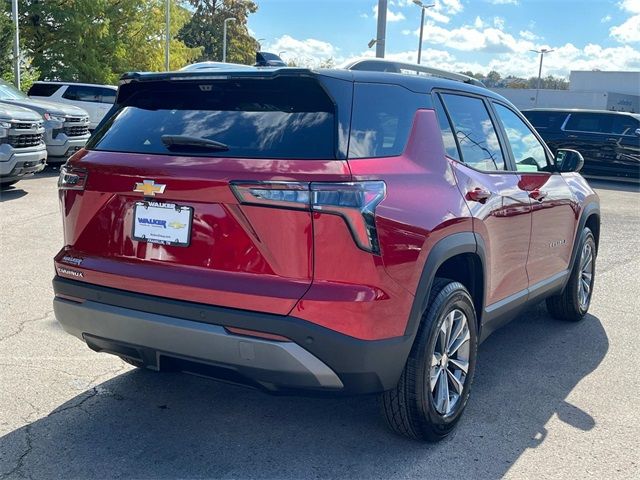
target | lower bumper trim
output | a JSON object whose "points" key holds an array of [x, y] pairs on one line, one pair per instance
{"points": [[151, 337]]}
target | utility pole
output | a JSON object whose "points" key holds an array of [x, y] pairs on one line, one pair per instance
{"points": [[16, 44], [542, 51], [224, 37], [167, 34], [423, 7], [382, 28]]}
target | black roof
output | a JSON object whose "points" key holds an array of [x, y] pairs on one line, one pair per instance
{"points": [[416, 83]]}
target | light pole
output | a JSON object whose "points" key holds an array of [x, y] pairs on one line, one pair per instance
{"points": [[224, 37], [382, 28], [542, 51], [423, 7], [16, 45], [167, 34]]}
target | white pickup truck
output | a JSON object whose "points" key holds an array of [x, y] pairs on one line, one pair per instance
{"points": [[22, 148]]}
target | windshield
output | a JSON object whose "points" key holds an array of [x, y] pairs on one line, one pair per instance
{"points": [[9, 92]]}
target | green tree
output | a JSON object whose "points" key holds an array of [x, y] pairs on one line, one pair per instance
{"points": [[98, 40], [205, 29]]}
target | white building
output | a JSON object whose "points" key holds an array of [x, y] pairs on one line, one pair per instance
{"points": [[598, 90]]}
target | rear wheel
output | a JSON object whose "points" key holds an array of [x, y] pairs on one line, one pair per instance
{"points": [[573, 303], [434, 387]]}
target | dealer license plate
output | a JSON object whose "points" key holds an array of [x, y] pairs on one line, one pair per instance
{"points": [[162, 223]]}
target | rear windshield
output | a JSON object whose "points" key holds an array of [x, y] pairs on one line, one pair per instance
{"points": [[281, 118]]}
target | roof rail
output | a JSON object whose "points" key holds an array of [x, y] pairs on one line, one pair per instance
{"points": [[382, 65]]}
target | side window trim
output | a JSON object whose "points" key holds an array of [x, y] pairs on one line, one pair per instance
{"points": [[508, 158], [512, 162]]}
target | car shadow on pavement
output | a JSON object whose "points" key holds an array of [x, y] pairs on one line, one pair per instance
{"points": [[146, 425], [11, 193]]}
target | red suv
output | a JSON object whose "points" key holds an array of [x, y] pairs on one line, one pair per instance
{"points": [[333, 231]]}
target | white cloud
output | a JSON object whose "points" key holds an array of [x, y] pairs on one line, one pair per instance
{"points": [[631, 6], [406, 31], [442, 11], [629, 30], [528, 35], [605, 19], [391, 15], [364, 15], [504, 2], [478, 23], [309, 51], [468, 38], [498, 22]]}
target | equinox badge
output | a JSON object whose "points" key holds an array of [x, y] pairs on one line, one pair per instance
{"points": [[149, 188]]}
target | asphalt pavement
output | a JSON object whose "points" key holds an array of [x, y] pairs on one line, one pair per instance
{"points": [[550, 399]]}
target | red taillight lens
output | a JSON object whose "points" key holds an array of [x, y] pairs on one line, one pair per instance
{"points": [[72, 178], [355, 202]]}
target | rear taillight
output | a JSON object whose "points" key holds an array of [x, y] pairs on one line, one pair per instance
{"points": [[355, 202], [72, 178]]}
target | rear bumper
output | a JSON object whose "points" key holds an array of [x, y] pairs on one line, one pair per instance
{"points": [[160, 332]]}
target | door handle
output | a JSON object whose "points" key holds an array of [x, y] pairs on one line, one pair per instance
{"points": [[572, 136], [538, 195], [612, 139], [478, 195]]}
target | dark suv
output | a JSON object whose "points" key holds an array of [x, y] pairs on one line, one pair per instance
{"points": [[609, 141], [329, 231]]}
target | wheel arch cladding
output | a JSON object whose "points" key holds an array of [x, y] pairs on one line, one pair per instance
{"points": [[459, 257]]}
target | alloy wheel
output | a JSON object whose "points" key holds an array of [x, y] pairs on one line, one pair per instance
{"points": [[585, 279], [450, 362]]}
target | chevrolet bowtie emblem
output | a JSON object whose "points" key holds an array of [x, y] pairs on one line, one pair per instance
{"points": [[149, 188]]}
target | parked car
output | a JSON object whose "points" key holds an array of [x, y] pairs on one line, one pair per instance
{"points": [[96, 100], [66, 126], [608, 141], [22, 148], [329, 231]]}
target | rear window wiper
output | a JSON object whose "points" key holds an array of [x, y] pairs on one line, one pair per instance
{"points": [[177, 141]]}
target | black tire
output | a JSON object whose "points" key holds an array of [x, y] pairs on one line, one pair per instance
{"points": [[567, 305], [410, 408]]}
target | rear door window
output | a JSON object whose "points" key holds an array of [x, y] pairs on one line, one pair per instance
{"points": [[477, 137], [589, 123], [281, 118], [43, 89], [82, 93], [382, 119]]}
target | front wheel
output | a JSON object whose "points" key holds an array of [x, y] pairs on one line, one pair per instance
{"points": [[573, 303], [434, 387]]}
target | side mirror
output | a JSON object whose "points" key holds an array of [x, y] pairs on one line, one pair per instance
{"points": [[638, 132], [569, 160]]}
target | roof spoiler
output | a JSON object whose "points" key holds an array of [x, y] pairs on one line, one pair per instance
{"points": [[382, 65]]}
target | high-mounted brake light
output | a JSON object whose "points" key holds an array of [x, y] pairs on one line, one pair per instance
{"points": [[72, 178], [355, 202]]}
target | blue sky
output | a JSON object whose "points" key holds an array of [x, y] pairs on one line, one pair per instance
{"points": [[477, 35]]}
